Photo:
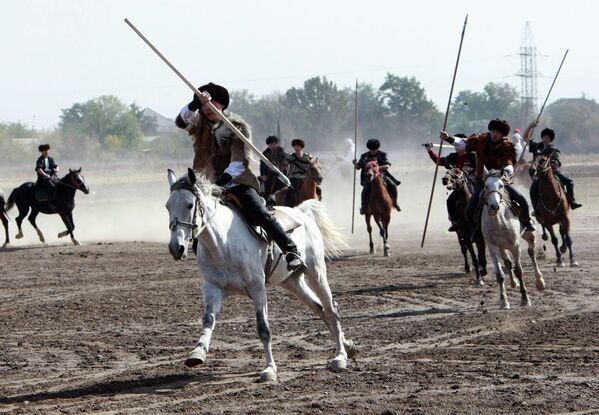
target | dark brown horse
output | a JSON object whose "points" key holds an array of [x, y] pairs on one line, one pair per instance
{"points": [[457, 180], [307, 189], [553, 208], [4, 219], [379, 205]]}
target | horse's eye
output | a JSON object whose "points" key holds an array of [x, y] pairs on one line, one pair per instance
{"points": [[190, 206]]}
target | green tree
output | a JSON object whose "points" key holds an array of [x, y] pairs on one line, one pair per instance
{"points": [[576, 124]]}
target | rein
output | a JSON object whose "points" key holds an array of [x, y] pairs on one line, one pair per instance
{"points": [[198, 207]]}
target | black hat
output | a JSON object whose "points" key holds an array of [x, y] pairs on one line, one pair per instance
{"points": [[549, 132], [499, 125], [298, 142], [217, 92], [460, 135], [272, 139], [44, 147], [373, 144]]}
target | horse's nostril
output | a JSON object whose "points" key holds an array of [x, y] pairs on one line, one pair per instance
{"points": [[181, 249]]}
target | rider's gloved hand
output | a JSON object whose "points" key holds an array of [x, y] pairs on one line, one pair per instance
{"points": [[224, 179]]}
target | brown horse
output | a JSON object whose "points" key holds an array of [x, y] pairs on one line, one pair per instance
{"points": [[553, 208], [379, 205], [457, 180], [4, 219], [304, 191]]}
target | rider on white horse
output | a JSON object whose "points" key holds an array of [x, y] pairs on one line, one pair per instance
{"points": [[494, 151], [227, 163]]}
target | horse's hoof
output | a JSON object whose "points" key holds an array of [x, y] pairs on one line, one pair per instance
{"points": [[480, 282], [561, 264], [6, 245], [19, 236], [372, 252], [63, 234], [574, 263], [75, 242], [195, 358], [525, 302], [42, 239], [540, 284], [386, 253], [268, 375], [351, 349], [504, 305], [338, 364]]}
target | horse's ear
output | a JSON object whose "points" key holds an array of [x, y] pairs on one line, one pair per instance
{"points": [[191, 176], [78, 171], [70, 171], [172, 178]]}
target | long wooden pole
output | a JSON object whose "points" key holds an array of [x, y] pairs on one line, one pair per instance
{"points": [[545, 102], [353, 199], [455, 71], [210, 105]]}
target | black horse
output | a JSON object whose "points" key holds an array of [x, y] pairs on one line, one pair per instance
{"points": [[4, 218], [458, 181], [63, 203]]}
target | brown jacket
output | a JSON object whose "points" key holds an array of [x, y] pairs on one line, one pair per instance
{"points": [[493, 156], [216, 145]]}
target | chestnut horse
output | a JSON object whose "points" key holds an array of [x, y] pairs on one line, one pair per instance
{"points": [[306, 191], [553, 208], [457, 180], [379, 205]]}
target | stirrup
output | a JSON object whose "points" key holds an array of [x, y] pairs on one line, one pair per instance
{"points": [[294, 262], [575, 205], [453, 227]]}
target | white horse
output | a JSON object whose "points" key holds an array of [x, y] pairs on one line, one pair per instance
{"points": [[502, 230], [232, 261]]}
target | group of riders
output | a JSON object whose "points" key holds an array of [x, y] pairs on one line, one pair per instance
{"points": [[224, 159]]}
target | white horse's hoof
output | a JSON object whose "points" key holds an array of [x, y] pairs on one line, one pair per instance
{"points": [[525, 302], [540, 284], [504, 305], [268, 375], [574, 263], [195, 358], [339, 363], [19, 235], [480, 282], [63, 234]]}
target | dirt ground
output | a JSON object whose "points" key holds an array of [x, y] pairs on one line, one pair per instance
{"points": [[105, 327]]}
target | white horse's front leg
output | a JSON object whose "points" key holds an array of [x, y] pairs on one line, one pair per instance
{"points": [[260, 302], [503, 300], [213, 298], [531, 240]]}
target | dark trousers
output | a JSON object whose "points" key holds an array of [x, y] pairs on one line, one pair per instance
{"points": [[291, 195], [515, 195], [258, 215], [452, 201], [271, 186]]}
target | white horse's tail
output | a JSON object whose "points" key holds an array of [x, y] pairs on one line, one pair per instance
{"points": [[334, 241]]}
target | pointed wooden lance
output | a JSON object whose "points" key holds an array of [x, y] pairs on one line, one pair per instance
{"points": [[353, 203], [455, 71]]}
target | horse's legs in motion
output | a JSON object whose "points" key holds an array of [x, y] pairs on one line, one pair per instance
{"points": [[369, 229], [482, 256], [565, 230], [470, 248], [495, 257], [260, 303], [31, 219], [509, 266], [23, 211], [531, 240], [464, 248], [5, 224], [297, 286], [554, 242], [67, 219], [383, 226], [524, 300], [213, 299]]}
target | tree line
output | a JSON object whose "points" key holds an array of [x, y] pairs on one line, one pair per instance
{"points": [[398, 112]]}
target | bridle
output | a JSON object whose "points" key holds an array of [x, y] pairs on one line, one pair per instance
{"points": [[500, 191], [198, 211]]}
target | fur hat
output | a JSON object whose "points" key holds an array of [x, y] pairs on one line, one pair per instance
{"points": [[44, 147], [373, 144], [460, 135], [217, 92], [549, 132], [499, 125], [298, 142], [272, 139]]}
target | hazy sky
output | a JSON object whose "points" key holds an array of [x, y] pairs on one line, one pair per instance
{"points": [[56, 53]]}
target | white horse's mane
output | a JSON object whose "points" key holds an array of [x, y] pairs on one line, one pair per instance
{"points": [[202, 184]]}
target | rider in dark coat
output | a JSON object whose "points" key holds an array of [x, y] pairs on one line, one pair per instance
{"points": [[224, 158], [277, 156], [546, 146], [46, 170], [458, 159], [494, 151], [389, 181]]}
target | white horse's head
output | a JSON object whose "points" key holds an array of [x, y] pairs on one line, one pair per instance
{"points": [[494, 191], [183, 205]]}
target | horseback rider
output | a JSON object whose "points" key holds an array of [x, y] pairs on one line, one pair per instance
{"points": [[493, 151], [224, 159], [546, 146], [459, 159], [374, 153], [298, 163], [46, 170], [277, 156]]}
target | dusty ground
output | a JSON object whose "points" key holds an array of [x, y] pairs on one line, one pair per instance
{"points": [[105, 328]]}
